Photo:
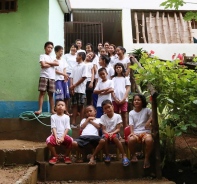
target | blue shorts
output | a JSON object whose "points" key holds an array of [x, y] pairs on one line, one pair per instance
{"points": [[61, 90], [99, 112]]}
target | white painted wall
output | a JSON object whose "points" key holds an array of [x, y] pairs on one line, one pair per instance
{"points": [[56, 23], [121, 4], [165, 51]]}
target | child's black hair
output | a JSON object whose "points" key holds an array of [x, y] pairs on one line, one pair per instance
{"points": [[122, 49], [106, 58], [143, 99], [74, 45], [82, 54], [78, 40], [57, 101], [58, 48], [105, 102], [91, 46], [123, 69], [48, 43], [102, 69]]}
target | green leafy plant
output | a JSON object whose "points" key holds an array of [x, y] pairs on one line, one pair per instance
{"points": [[176, 4], [138, 53], [177, 99]]}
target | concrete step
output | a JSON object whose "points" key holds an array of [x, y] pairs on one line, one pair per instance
{"points": [[83, 171]]}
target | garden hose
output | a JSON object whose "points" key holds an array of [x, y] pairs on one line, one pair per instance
{"points": [[30, 116]]}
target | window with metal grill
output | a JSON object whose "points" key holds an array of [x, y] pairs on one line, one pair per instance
{"points": [[7, 6]]}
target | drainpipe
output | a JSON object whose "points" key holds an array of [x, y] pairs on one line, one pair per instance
{"points": [[65, 5]]}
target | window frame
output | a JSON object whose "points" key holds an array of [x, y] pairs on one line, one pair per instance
{"points": [[9, 10]]}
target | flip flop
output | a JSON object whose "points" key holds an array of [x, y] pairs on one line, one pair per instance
{"points": [[92, 162], [125, 162]]}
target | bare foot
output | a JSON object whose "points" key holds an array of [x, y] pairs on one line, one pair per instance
{"points": [[92, 161], [38, 112], [134, 159], [146, 164]]}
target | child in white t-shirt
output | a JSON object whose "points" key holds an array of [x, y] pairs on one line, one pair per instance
{"points": [[140, 126], [71, 60], [78, 42], [104, 89], [47, 77], [121, 92], [104, 61], [60, 125], [78, 87], [61, 77], [120, 51], [111, 127], [90, 133], [90, 77]]}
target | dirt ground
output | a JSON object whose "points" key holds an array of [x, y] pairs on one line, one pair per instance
{"points": [[134, 181], [10, 175], [20, 144]]}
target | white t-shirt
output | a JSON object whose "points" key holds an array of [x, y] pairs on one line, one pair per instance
{"points": [[139, 119], [60, 68], [71, 61], [79, 72], [124, 61], [89, 66], [120, 84], [95, 61], [113, 59], [90, 129], [61, 123], [110, 123], [103, 85], [47, 72], [81, 50], [110, 72]]}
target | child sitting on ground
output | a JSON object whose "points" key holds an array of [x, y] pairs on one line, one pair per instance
{"points": [[90, 127], [60, 125], [140, 122], [111, 127]]}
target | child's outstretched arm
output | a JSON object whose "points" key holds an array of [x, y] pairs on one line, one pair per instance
{"points": [[92, 78], [131, 130], [104, 129]]}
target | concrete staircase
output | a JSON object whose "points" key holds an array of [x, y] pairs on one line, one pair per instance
{"points": [[61, 172]]}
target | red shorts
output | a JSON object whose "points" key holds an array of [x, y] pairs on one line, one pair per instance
{"points": [[67, 141], [106, 136], [120, 107]]}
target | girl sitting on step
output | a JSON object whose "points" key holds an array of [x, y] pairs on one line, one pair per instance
{"points": [[140, 126]]}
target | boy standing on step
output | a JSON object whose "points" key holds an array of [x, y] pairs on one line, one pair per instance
{"points": [[90, 135], [60, 125], [47, 77], [78, 87]]}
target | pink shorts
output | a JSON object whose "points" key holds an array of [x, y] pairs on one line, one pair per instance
{"points": [[67, 141], [120, 107]]}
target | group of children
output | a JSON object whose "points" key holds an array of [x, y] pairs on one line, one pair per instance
{"points": [[102, 82]]}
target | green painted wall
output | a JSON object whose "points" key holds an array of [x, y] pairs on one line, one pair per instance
{"points": [[22, 36]]}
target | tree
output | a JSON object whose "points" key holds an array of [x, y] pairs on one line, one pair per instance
{"points": [[178, 3]]}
